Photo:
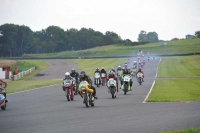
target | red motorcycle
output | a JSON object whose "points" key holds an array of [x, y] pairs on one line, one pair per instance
{"points": [[68, 88], [103, 77]]}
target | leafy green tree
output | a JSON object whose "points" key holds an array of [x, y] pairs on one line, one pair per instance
{"points": [[197, 34], [8, 39], [152, 37], [142, 37]]}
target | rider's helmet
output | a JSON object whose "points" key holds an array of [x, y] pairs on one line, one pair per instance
{"points": [[119, 68], [125, 66], [111, 74], [67, 75], [82, 74], [97, 69], [73, 70], [102, 68], [112, 68], [139, 70]]}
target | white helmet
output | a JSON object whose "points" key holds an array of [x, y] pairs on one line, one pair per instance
{"points": [[67, 74]]}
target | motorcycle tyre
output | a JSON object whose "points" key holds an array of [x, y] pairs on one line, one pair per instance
{"points": [[68, 96], [86, 100], [125, 88], [112, 92], [3, 107]]}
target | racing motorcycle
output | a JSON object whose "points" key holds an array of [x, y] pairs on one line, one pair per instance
{"points": [[126, 83], [148, 58], [2, 99], [68, 88], [86, 94], [75, 85], [139, 77], [112, 87], [97, 79], [103, 77]]}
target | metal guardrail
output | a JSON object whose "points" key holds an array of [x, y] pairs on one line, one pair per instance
{"points": [[22, 74]]}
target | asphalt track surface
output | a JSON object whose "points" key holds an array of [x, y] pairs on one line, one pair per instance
{"points": [[47, 110]]}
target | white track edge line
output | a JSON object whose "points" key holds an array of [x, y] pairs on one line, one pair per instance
{"points": [[153, 83]]}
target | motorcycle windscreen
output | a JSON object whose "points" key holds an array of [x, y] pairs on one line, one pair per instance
{"points": [[67, 83], [84, 86]]}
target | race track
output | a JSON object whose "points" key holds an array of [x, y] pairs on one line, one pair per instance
{"points": [[47, 110]]}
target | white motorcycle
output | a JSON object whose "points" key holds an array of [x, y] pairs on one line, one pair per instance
{"points": [[139, 77], [112, 87], [97, 78], [2, 99]]}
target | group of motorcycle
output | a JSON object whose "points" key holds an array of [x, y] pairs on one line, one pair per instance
{"points": [[72, 87]]}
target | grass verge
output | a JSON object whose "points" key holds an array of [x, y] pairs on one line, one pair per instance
{"points": [[22, 85], [180, 67], [190, 130], [175, 91]]}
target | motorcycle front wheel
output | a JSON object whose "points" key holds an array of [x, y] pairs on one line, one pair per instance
{"points": [[68, 95], [3, 107], [86, 100]]}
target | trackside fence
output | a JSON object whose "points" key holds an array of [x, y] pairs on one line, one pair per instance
{"points": [[23, 73]]}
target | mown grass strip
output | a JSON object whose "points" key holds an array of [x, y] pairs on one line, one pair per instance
{"points": [[89, 65], [190, 130], [180, 67], [22, 85], [175, 91]]}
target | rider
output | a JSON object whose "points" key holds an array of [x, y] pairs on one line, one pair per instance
{"points": [[134, 64], [126, 71], [3, 88], [97, 71], [67, 76], [140, 70], [112, 69], [84, 77], [75, 75], [103, 71], [111, 74], [118, 70]]}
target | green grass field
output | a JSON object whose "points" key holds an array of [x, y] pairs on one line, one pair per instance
{"points": [[179, 89], [173, 47], [175, 91], [180, 67]]}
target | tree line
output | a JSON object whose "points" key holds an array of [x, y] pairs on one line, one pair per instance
{"points": [[16, 40]]}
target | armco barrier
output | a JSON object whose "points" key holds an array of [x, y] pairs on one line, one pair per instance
{"points": [[22, 74]]}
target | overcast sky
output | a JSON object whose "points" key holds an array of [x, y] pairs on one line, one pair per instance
{"points": [[169, 18]]}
